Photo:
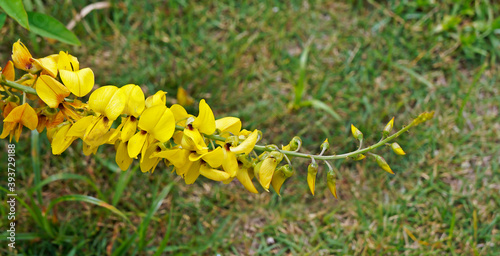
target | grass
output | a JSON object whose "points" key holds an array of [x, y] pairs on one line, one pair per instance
{"points": [[367, 61]]}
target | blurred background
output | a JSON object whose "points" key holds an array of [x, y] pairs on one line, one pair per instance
{"points": [[367, 61]]}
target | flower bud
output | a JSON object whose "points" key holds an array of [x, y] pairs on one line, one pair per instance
{"points": [[397, 149], [358, 157], [325, 145], [295, 143], [331, 181], [382, 163], [279, 177], [266, 171], [423, 117], [312, 170], [356, 133], [388, 128]]}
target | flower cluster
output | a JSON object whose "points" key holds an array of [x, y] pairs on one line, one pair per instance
{"points": [[146, 129]]}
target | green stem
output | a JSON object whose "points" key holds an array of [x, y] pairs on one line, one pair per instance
{"points": [[20, 87], [320, 157]]}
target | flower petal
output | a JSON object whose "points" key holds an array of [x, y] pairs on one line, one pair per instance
{"points": [[165, 127], [245, 179], [205, 122], [9, 72], [99, 98], [123, 160], [158, 98], [228, 124], [230, 164], [61, 141], [213, 174], [136, 143], [51, 91], [247, 145], [79, 82], [150, 117], [67, 62]]}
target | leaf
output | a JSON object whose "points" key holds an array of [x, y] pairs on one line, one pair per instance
{"points": [[15, 9], [3, 17], [47, 26], [64, 176], [90, 200]]}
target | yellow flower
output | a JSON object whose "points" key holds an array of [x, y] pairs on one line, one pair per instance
{"points": [[61, 141], [157, 123], [20, 116], [108, 102], [245, 176], [312, 170], [22, 58], [51, 91], [280, 175], [158, 98], [78, 81]]}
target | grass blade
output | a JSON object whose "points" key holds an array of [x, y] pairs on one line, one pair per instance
{"points": [[90, 200], [35, 161], [154, 207], [317, 104], [300, 86], [65, 176]]}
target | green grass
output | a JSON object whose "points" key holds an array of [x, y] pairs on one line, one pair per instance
{"points": [[367, 61]]}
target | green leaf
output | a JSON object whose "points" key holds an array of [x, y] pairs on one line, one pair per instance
{"points": [[64, 176], [90, 200], [3, 17], [15, 9], [47, 26]]}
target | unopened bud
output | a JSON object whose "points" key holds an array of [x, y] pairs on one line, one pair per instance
{"points": [[397, 149], [356, 133], [312, 170], [266, 171], [331, 181], [423, 117], [358, 157], [382, 163], [295, 143], [388, 128], [325, 146], [280, 175]]}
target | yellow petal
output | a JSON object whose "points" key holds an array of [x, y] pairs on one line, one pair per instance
{"points": [[51, 91], [78, 129], [192, 140], [247, 145], [24, 115], [116, 104], [213, 174], [8, 129], [49, 64], [22, 57], [205, 122], [230, 164], [135, 100], [229, 124], [136, 143], [177, 156], [180, 114], [148, 162], [129, 128], [9, 72], [61, 141], [158, 98], [89, 150], [214, 158], [79, 82], [183, 97], [99, 99], [150, 117], [122, 158], [192, 173], [95, 133], [243, 175], [165, 127], [266, 172], [67, 62]]}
